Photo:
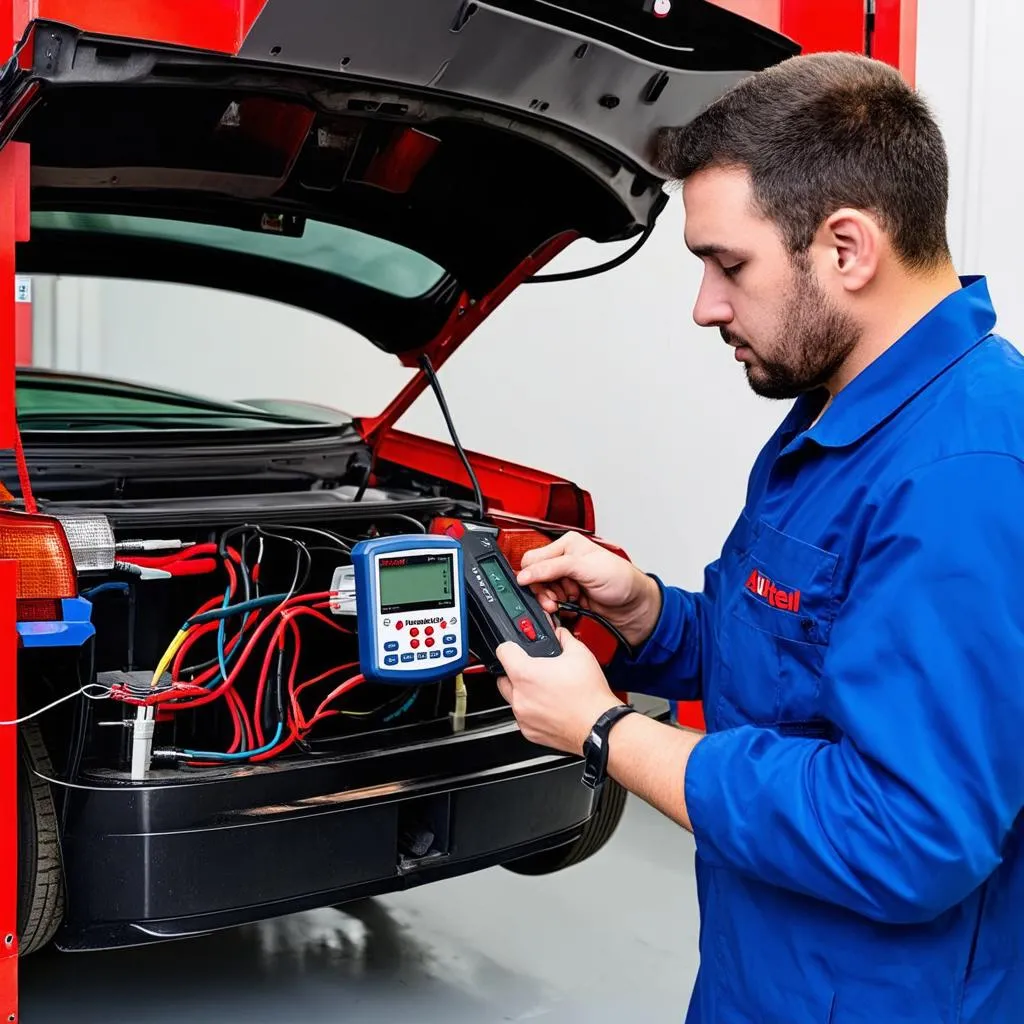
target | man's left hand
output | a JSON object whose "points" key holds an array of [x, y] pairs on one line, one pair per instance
{"points": [[555, 700]]}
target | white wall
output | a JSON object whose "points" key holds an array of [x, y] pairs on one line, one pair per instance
{"points": [[969, 68]]}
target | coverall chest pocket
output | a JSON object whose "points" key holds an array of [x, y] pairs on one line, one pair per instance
{"points": [[776, 632]]}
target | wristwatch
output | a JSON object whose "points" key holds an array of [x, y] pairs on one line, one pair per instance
{"points": [[595, 749]]}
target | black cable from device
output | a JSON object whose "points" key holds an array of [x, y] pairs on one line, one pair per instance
{"points": [[601, 268], [428, 369], [575, 609]]}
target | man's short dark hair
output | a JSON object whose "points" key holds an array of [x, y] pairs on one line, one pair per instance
{"points": [[821, 132]]}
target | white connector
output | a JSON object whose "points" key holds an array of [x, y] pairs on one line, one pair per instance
{"points": [[343, 591], [136, 546], [458, 716], [142, 742]]}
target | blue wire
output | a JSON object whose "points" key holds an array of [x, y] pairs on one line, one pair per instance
{"points": [[104, 588], [206, 755], [405, 707], [226, 612]]}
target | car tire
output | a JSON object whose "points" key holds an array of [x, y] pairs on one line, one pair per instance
{"points": [[596, 833], [40, 871]]}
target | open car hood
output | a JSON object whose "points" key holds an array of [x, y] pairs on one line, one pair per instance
{"points": [[396, 165]]}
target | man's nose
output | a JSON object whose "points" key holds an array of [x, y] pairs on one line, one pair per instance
{"points": [[711, 308]]}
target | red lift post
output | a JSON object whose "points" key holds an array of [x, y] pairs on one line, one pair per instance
{"points": [[222, 25]]}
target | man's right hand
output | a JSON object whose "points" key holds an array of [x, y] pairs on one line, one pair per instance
{"points": [[575, 569]]}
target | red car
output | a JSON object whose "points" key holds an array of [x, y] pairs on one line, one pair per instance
{"points": [[396, 167]]}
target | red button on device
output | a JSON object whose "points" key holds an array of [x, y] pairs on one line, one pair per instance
{"points": [[399, 625], [429, 631], [414, 643], [429, 641], [414, 631], [526, 627]]}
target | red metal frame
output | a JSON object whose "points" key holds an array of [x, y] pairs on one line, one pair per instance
{"points": [[219, 25]]}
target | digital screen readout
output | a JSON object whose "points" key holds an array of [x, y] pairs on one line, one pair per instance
{"points": [[415, 583], [503, 588]]}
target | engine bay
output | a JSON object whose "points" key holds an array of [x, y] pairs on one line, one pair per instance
{"points": [[225, 647]]}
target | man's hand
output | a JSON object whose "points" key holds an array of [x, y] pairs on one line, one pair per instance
{"points": [[576, 569], [555, 700]]}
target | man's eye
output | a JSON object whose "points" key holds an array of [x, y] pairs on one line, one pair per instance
{"points": [[733, 270]]}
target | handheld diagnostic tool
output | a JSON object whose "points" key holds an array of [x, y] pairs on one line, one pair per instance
{"points": [[500, 609], [410, 608]]}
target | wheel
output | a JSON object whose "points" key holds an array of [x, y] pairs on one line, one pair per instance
{"points": [[597, 831], [40, 873]]}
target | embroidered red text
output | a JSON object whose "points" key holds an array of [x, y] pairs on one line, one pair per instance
{"points": [[760, 586]]}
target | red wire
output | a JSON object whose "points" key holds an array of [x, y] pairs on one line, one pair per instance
{"points": [[236, 742], [213, 694], [23, 479]]}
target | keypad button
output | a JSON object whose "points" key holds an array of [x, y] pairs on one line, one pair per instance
{"points": [[444, 625], [398, 625], [408, 657], [414, 643], [450, 638], [429, 631], [422, 656], [435, 654], [391, 645], [391, 659], [429, 641], [526, 627], [450, 652], [414, 631]]}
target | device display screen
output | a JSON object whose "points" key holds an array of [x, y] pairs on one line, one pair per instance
{"points": [[415, 583], [503, 587]]}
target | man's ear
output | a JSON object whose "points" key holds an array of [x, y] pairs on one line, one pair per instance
{"points": [[854, 242]]}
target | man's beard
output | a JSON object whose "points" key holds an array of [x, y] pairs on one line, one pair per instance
{"points": [[809, 347]]}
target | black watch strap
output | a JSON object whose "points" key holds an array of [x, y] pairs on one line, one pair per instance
{"points": [[595, 749]]}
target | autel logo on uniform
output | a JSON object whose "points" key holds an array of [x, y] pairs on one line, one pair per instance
{"points": [[760, 586]]}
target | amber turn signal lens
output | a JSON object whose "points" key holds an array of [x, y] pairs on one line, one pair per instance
{"points": [[46, 568]]}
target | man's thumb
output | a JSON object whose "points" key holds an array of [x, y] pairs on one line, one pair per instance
{"points": [[511, 656], [567, 640]]}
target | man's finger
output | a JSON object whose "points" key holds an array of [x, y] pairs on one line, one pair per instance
{"points": [[505, 688], [547, 571], [556, 547]]}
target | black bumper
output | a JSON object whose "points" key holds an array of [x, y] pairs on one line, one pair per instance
{"points": [[175, 858]]}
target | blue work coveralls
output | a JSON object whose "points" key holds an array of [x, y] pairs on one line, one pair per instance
{"points": [[859, 651]]}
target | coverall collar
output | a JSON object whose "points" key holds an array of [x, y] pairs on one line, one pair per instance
{"points": [[941, 337]]}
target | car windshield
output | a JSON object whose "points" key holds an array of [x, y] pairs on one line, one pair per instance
{"points": [[329, 248], [57, 401]]}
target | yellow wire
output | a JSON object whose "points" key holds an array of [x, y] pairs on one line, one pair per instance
{"points": [[461, 697], [168, 656]]}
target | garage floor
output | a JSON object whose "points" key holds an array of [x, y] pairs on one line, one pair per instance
{"points": [[490, 947]]}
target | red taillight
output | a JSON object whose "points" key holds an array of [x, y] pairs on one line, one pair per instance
{"points": [[569, 505], [515, 543], [46, 568], [39, 611]]}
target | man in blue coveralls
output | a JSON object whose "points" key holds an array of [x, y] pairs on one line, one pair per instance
{"points": [[859, 644]]}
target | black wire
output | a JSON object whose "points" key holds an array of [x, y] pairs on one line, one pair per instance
{"points": [[340, 541], [404, 518], [601, 268], [575, 609], [428, 369]]}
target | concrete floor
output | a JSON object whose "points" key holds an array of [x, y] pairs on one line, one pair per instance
{"points": [[489, 947]]}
